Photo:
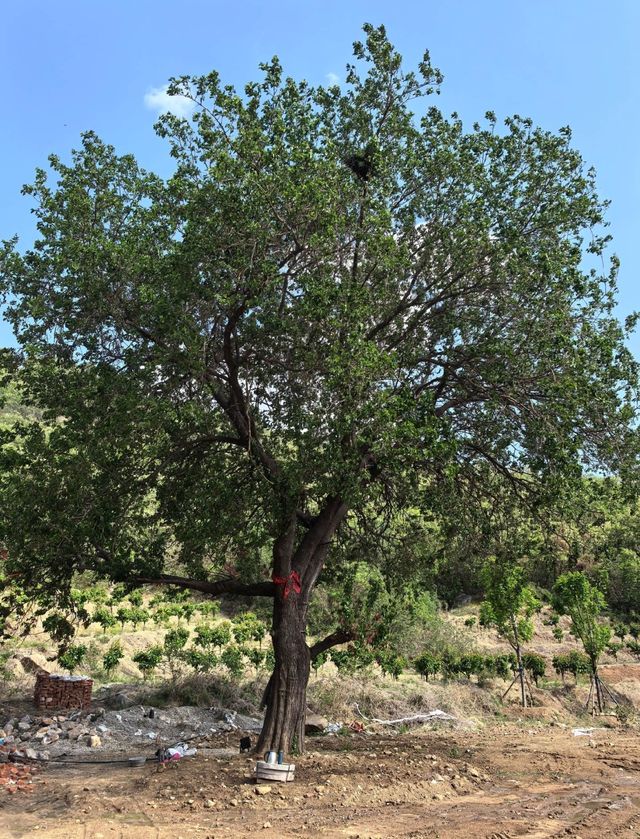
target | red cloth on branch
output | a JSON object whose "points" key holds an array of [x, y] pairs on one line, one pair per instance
{"points": [[290, 583]]}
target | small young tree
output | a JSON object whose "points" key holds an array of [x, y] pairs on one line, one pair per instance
{"points": [[73, 657], [112, 657], [508, 607], [103, 617], [173, 647], [427, 664], [575, 596], [148, 660]]}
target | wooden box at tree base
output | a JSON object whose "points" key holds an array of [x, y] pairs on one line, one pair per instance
{"points": [[54, 691]]}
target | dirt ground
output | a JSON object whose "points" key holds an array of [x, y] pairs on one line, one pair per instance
{"points": [[500, 783]]}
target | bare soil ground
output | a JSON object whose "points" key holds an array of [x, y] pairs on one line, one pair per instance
{"points": [[507, 781]]}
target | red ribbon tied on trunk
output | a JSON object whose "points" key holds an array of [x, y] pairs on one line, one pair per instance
{"points": [[289, 584]]}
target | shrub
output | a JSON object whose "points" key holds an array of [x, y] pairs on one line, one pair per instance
{"points": [[103, 617], [216, 635], [123, 615], [72, 657], [137, 615], [209, 608], [535, 665], [256, 657], [202, 661], [175, 640], [112, 657], [135, 597], [613, 649], [505, 665], [427, 664], [232, 659], [573, 662], [620, 630], [148, 660]]}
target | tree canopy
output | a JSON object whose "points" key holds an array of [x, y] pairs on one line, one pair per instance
{"points": [[341, 303]]}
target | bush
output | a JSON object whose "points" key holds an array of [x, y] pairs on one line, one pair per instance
{"points": [[505, 665], [103, 617], [573, 662], [427, 664], [391, 664], [112, 657], [148, 660], [216, 635], [202, 661], [123, 615], [209, 608], [535, 665], [248, 627], [232, 659], [135, 597], [620, 630], [72, 657]]}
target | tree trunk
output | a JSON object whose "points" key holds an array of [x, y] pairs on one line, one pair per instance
{"points": [[286, 693], [295, 573], [523, 690], [599, 697]]}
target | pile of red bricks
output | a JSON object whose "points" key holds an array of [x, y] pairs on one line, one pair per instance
{"points": [[16, 777], [62, 691]]}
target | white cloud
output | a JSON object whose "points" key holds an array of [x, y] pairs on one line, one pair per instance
{"points": [[157, 99], [333, 78]]}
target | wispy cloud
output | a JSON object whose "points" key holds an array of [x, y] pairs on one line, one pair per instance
{"points": [[333, 78], [157, 99]]}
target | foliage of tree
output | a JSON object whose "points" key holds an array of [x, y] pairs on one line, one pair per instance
{"points": [[575, 596], [112, 657], [148, 660], [508, 606], [72, 657], [574, 662], [278, 346], [427, 664], [103, 617]]}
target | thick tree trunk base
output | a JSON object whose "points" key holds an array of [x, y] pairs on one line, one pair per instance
{"points": [[285, 696]]}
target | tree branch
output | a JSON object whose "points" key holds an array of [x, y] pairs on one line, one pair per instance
{"points": [[340, 636], [219, 587]]}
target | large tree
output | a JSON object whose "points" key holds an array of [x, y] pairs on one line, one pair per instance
{"points": [[340, 303]]}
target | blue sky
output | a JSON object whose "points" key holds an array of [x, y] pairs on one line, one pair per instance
{"points": [[73, 65]]}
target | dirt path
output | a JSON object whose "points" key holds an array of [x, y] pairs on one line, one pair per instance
{"points": [[499, 784]]}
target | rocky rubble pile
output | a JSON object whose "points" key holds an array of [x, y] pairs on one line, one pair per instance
{"points": [[31, 735], [137, 728]]}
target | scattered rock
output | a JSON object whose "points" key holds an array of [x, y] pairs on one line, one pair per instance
{"points": [[262, 789], [315, 724], [94, 741]]}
